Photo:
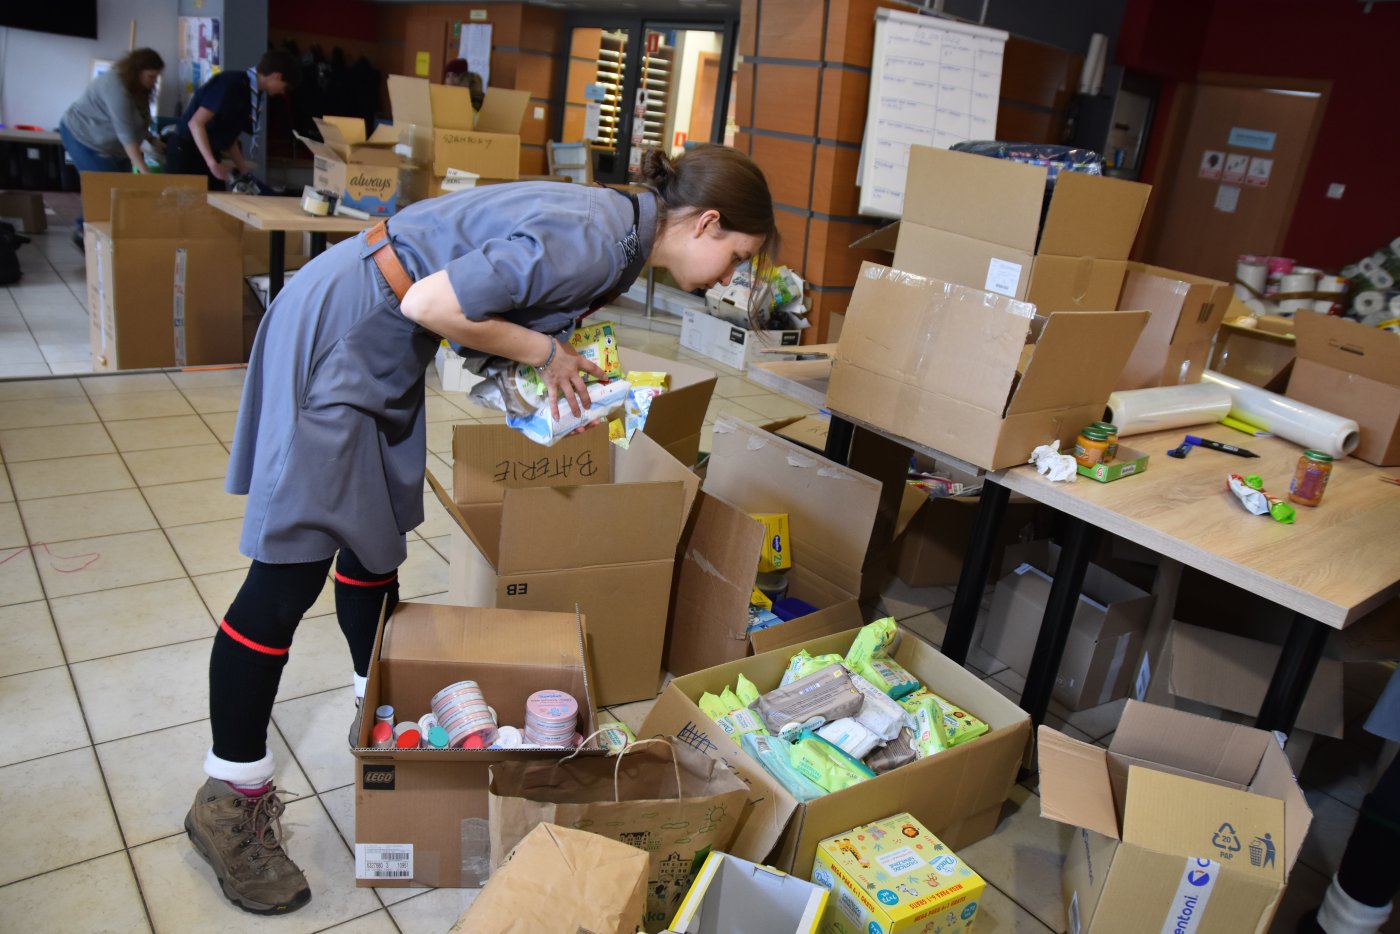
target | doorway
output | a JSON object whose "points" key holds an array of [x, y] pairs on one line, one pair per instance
{"points": [[1242, 155]]}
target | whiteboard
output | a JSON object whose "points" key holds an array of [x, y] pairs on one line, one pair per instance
{"points": [[933, 82]]}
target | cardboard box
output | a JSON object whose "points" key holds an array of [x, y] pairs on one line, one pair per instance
{"points": [[677, 415], [453, 375], [1261, 355], [733, 894], [363, 171], [25, 210], [977, 376], [956, 794], [894, 876], [438, 125], [164, 273], [580, 523], [831, 511], [978, 222], [1353, 371], [728, 343], [931, 549], [1212, 821], [1105, 639], [1176, 343], [1128, 462], [420, 814]]}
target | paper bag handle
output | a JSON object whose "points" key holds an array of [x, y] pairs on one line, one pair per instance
{"points": [[680, 796]]}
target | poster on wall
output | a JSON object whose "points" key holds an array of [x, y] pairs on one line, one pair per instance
{"points": [[1236, 164], [476, 49], [1212, 161], [1259, 171], [201, 53]]}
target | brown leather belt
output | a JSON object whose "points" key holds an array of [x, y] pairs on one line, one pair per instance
{"points": [[388, 261]]}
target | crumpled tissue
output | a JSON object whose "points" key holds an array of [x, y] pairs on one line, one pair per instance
{"points": [[1049, 461]]}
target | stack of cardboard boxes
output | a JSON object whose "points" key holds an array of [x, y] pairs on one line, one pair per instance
{"points": [[439, 131]]}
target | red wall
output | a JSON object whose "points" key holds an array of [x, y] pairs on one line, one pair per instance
{"points": [[1359, 142], [344, 19]]}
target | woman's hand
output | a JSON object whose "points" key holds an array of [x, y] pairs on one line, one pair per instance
{"points": [[562, 378]]}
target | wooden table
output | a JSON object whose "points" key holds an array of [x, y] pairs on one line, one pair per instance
{"points": [[277, 215]]}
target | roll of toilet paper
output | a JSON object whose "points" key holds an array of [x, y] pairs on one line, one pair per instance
{"points": [[1253, 271], [1287, 418], [1382, 279], [1332, 283], [1368, 303], [1394, 305], [1138, 411]]}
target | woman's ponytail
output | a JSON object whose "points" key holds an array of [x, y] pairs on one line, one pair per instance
{"points": [[657, 170]]}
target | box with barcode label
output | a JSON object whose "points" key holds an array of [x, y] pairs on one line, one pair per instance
{"points": [[893, 875]]}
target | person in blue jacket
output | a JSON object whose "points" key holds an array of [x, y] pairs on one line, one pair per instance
{"points": [[330, 440], [224, 108]]}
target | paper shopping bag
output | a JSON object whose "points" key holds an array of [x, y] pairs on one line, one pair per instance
{"points": [[667, 800], [561, 881]]}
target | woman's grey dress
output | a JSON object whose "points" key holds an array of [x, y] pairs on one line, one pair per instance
{"points": [[330, 442]]}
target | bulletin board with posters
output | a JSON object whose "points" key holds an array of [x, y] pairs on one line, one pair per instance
{"points": [[201, 53]]}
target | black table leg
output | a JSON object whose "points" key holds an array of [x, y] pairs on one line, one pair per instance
{"points": [[838, 440], [977, 565], [276, 262], [1075, 549], [1292, 675], [318, 242]]}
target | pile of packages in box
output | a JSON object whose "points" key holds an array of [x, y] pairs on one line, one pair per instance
{"points": [[835, 721]]}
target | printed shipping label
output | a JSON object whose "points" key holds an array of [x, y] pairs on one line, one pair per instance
{"points": [[1192, 894], [384, 861], [1003, 277]]}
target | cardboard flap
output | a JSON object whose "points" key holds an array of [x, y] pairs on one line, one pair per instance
{"points": [[1079, 356], [1276, 780], [410, 101], [548, 528], [487, 545], [842, 617], [436, 632], [883, 239], [1233, 672], [1189, 818], [1225, 751], [487, 460], [974, 196], [1074, 784], [451, 106], [502, 110], [645, 461], [831, 509], [98, 188], [1093, 216], [177, 213], [1347, 346], [343, 130]]}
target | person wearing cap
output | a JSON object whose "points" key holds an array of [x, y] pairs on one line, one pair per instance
{"points": [[458, 73], [330, 443]]}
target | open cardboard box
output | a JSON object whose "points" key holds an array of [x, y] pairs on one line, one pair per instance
{"points": [[729, 343], [1176, 343], [733, 894], [956, 794], [831, 512], [363, 171], [438, 125], [1354, 371], [420, 814], [1180, 816], [678, 414], [1261, 355], [974, 375], [580, 523], [977, 221]]}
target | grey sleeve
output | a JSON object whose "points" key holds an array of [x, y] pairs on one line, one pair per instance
{"points": [[127, 120], [529, 271]]}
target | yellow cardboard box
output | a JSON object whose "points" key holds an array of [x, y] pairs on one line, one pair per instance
{"points": [[892, 875], [776, 554]]}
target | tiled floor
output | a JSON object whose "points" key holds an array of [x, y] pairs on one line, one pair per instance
{"points": [[118, 551]]}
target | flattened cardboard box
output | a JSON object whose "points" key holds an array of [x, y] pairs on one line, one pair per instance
{"points": [[1105, 638], [956, 794], [420, 814], [1176, 343], [1212, 821], [831, 511], [1353, 371], [583, 522], [976, 376]]}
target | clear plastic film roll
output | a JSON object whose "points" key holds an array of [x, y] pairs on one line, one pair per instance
{"points": [[1287, 418], [1138, 411]]}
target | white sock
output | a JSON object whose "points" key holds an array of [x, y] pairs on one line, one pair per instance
{"points": [[243, 774], [1342, 914], [360, 682]]}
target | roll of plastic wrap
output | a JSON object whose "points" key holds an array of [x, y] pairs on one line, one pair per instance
{"points": [[1297, 281], [1253, 272], [1137, 411], [1287, 418]]}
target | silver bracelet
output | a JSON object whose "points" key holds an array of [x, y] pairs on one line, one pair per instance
{"points": [[553, 346]]}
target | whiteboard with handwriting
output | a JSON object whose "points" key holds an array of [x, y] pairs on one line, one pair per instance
{"points": [[933, 82]]}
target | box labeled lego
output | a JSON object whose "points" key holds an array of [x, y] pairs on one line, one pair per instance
{"points": [[775, 555], [892, 875]]}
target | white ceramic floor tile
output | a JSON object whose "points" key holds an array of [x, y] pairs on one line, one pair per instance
{"points": [[423, 572], [20, 370], [44, 697], [379, 922], [772, 406], [437, 521], [903, 601], [98, 895], [316, 728], [122, 383], [137, 692], [1024, 856], [145, 434], [197, 380], [1327, 837], [182, 894], [40, 389], [999, 914], [632, 714], [19, 581], [69, 410], [209, 547], [28, 640], [153, 777], [56, 814], [215, 398], [433, 911], [178, 465], [129, 619], [86, 515], [319, 661], [12, 532], [1346, 768], [32, 444], [929, 626], [736, 387], [193, 501], [218, 590], [86, 565], [69, 475], [131, 405]]}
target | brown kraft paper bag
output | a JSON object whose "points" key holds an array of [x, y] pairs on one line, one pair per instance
{"points": [[671, 802]]}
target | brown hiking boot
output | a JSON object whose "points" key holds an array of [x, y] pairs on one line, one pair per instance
{"points": [[238, 836]]}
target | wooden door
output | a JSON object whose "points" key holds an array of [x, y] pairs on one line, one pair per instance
{"points": [[1235, 181], [702, 107], [425, 48]]}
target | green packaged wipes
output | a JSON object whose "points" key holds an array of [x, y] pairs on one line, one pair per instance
{"points": [[738, 722], [712, 706], [889, 676], [790, 672], [730, 700], [929, 734], [826, 764], [746, 691], [873, 641], [959, 725], [815, 663]]}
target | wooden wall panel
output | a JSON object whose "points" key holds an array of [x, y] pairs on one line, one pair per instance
{"points": [[542, 29], [788, 166], [790, 29], [535, 130], [748, 27], [825, 303], [537, 73], [784, 93], [743, 95], [830, 259], [792, 239], [575, 118], [834, 181], [743, 141], [533, 161], [850, 31], [845, 98]]}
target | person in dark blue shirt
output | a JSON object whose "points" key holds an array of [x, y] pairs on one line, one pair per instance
{"points": [[224, 108]]}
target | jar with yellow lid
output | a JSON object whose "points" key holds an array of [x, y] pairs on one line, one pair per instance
{"points": [[1090, 446]]}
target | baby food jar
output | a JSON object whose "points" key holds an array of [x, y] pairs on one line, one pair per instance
{"points": [[1310, 478], [1090, 446], [1112, 432]]}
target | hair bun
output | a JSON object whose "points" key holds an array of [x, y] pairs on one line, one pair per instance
{"points": [[657, 168]]}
